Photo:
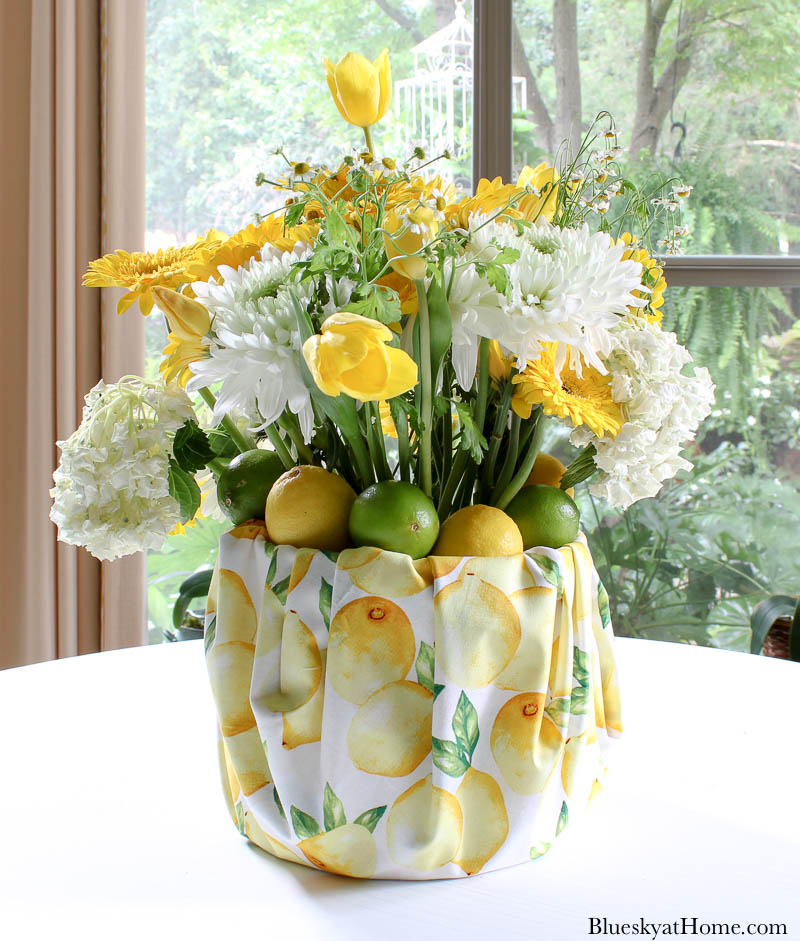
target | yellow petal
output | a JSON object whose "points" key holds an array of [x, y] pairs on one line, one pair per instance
{"points": [[358, 89], [330, 77], [125, 302], [384, 69], [145, 303], [311, 354], [368, 382], [351, 321], [187, 319], [402, 373]]}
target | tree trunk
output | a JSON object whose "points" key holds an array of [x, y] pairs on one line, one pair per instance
{"points": [[533, 97], [568, 75], [444, 12]]}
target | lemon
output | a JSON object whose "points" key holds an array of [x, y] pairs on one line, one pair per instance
{"points": [[243, 486], [548, 470], [485, 820], [308, 506], [349, 850], [526, 744], [423, 829], [479, 530], [394, 515], [546, 516]]}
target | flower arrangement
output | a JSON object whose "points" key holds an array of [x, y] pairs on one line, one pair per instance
{"points": [[388, 329]]}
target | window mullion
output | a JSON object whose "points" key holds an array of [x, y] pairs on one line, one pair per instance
{"points": [[491, 129]]}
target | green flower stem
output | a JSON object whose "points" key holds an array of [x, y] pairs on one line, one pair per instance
{"points": [[362, 459], [464, 495], [218, 465], [241, 440], [483, 384], [453, 480], [368, 138], [291, 426], [426, 396], [512, 452], [498, 433], [280, 447], [377, 448], [403, 450], [525, 468]]}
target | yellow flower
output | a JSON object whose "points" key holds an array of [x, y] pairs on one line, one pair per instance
{"points": [[494, 196], [140, 272], [179, 354], [388, 426], [585, 400], [652, 277], [187, 319], [542, 178], [500, 365], [351, 356], [361, 89], [408, 231]]}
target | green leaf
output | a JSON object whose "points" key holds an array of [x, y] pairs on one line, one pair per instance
{"points": [[764, 616], [471, 438], [278, 803], [539, 849], [581, 667], [281, 589], [325, 599], [210, 634], [579, 701], [603, 605], [559, 710], [370, 818], [333, 810], [549, 569], [465, 725], [191, 448], [425, 669], [580, 469], [448, 757], [240, 819], [563, 818], [184, 489], [304, 824], [272, 554], [221, 444], [381, 304]]}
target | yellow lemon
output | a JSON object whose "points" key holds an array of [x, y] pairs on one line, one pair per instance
{"points": [[248, 760], [611, 702], [349, 850], [256, 835], [213, 591], [294, 677], [479, 530], [525, 743], [477, 631], [371, 644], [308, 506], [304, 724], [530, 666], [548, 470], [508, 574], [236, 613], [391, 732], [580, 766], [485, 826], [423, 830], [229, 669], [389, 574], [302, 563]]}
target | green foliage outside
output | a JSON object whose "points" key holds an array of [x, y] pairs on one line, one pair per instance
{"points": [[230, 80]]}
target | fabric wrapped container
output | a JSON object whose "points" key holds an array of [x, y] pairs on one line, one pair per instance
{"points": [[387, 718]]}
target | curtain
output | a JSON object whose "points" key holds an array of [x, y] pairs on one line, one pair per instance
{"points": [[72, 188]]}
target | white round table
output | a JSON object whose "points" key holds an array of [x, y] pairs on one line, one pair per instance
{"points": [[112, 821]]}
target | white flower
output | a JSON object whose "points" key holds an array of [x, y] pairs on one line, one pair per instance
{"points": [[255, 350], [111, 491], [663, 409]]}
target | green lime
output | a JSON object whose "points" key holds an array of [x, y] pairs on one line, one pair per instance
{"points": [[546, 516], [394, 515], [243, 486]]}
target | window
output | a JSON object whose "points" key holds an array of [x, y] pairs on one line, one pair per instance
{"points": [[231, 80]]}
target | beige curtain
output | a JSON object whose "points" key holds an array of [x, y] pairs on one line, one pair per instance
{"points": [[72, 188]]}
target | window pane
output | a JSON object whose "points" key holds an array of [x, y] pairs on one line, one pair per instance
{"points": [[229, 81], [718, 110], [691, 564]]}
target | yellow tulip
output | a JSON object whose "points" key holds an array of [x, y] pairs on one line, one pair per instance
{"points": [[406, 234], [351, 356], [361, 89], [187, 318]]}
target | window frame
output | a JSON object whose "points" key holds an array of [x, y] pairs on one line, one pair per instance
{"points": [[492, 156]]}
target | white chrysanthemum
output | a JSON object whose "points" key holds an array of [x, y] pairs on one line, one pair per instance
{"points": [[111, 491], [570, 287], [663, 409], [255, 350], [487, 239], [476, 309]]}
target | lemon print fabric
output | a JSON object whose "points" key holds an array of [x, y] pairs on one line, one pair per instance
{"points": [[383, 717]]}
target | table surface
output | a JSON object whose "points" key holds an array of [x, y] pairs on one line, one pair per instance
{"points": [[112, 820]]}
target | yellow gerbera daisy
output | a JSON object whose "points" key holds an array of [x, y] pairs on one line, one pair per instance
{"points": [[140, 272], [585, 400], [492, 196], [652, 277], [178, 356]]}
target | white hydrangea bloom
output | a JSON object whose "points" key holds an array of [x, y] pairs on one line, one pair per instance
{"points": [[255, 350], [111, 491], [663, 409]]}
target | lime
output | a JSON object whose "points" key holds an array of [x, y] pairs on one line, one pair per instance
{"points": [[394, 515], [308, 507], [243, 486], [546, 516], [479, 530]]}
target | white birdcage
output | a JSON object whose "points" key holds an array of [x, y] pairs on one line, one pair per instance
{"points": [[434, 106]]}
